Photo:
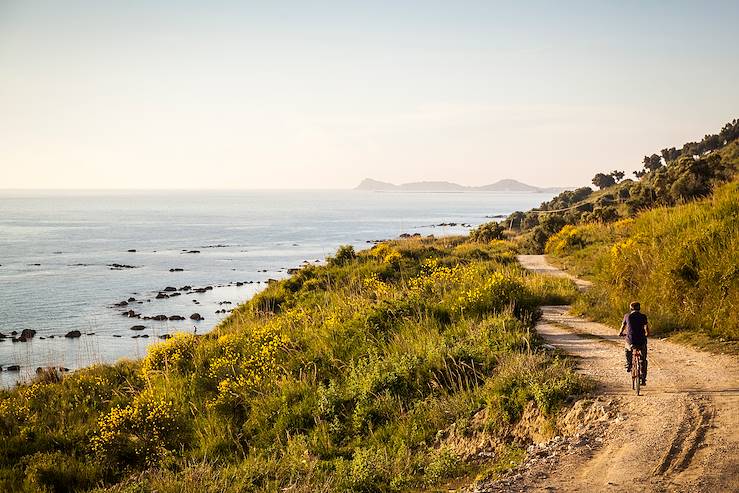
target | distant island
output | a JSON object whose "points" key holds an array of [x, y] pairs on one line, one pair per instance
{"points": [[368, 184]]}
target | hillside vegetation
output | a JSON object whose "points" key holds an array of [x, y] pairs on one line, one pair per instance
{"points": [[663, 238], [681, 262], [669, 178], [386, 370]]}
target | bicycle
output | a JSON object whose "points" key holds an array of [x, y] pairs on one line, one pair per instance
{"points": [[636, 371]]}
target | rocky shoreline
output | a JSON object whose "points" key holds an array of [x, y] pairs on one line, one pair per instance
{"points": [[128, 308], [131, 306]]}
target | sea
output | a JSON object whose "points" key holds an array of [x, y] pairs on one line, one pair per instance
{"points": [[86, 260]]}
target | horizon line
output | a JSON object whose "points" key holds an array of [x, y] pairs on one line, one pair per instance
{"points": [[353, 189]]}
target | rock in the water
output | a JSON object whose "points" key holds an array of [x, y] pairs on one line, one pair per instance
{"points": [[13, 368], [116, 335], [170, 288], [131, 299], [160, 296], [177, 317], [159, 317], [196, 316], [122, 303], [165, 336], [73, 334], [185, 288], [144, 336], [28, 333], [138, 327], [174, 294], [132, 250], [176, 269]]}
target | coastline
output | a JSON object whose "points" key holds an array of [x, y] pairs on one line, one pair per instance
{"points": [[158, 325], [69, 259]]}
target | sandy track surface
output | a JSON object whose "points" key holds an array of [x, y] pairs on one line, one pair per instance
{"points": [[681, 434]]}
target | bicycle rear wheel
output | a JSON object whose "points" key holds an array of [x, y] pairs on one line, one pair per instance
{"points": [[636, 375]]}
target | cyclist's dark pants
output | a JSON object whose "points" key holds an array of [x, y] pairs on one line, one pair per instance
{"points": [[629, 355]]}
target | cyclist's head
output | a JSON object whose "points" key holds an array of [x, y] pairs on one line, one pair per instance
{"points": [[635, 305]]}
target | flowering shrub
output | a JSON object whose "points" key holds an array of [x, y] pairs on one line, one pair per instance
{"points": [[622, 266], [141, 432], [623, 224], [392, 258], [434, 278], [174, 354], [23, 408], [384, 253], [496, 292], [567, 238], [376, 286], [245, 363]]}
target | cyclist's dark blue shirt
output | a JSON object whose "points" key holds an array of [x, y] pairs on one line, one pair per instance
{"points": [[635, 323]]}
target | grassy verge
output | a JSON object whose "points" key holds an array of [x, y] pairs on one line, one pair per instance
{"points": [[707, 343], [681, 263], [387, 370]]}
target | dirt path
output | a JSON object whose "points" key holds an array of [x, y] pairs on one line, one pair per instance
{"points": [[681, 434]]}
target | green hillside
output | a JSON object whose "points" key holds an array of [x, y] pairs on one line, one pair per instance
{"points": [[385, 370], [681, 262], [666, 179], [668, 238]]}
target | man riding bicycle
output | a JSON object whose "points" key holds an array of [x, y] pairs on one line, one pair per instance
{"points": [[636, 330]]}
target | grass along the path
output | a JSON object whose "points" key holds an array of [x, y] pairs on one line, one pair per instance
{"points": [[681, 262]]}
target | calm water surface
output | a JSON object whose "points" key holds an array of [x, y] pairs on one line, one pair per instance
{"points": [[57, 249]]}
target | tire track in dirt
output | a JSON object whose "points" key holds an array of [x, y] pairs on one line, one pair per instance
{"points": [[688, 437]]}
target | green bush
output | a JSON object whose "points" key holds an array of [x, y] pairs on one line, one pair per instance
{"points": [[58, 472], [488, 232], [344, 255]]}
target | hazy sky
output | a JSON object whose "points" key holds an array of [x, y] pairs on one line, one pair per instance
{"points": [[226, 94]]}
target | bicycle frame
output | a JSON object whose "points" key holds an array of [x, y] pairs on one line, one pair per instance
{"points": [[636, 371]]}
